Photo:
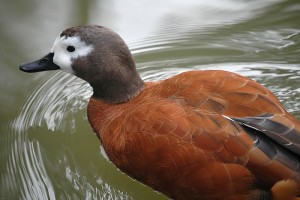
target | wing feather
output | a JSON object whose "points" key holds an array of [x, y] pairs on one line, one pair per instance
{"points": [[278, 128]]}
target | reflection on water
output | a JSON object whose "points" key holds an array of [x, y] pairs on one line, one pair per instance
{"points": [[48, 150], [53, 103], [54, 97]]}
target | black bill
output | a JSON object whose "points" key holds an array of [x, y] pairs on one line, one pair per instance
{"points": [[43, 64]]}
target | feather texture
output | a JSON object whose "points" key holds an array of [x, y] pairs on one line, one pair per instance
{"points": [[201, 135]]}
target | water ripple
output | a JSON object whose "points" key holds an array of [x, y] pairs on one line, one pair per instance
{"points": [[53, 102], [25, 172], [53, 99]]}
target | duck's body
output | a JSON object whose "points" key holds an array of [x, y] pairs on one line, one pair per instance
{"points": [[175, 136], [199, 135]]}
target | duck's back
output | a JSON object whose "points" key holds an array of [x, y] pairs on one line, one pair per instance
{"points": [[201, 135]]}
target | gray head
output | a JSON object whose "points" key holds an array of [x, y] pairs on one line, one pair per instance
{"points": [[97, 55]]}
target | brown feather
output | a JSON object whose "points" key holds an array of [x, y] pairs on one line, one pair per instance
{"points": [[177, 136]]}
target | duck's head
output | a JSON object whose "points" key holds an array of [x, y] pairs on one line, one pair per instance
{"points": [[97, 55]]}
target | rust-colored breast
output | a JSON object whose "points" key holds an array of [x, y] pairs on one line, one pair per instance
{"points": [[194, 136]]}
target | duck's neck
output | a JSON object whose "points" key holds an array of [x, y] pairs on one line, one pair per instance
{"points": [[117, 89]]}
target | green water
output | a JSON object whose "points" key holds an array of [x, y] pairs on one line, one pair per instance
{"points": [[48, 150]]}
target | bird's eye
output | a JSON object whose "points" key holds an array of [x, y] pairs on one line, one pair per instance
{"points": [[70, 48]]}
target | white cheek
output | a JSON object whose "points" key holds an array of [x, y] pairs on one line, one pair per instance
{"points": [[63, 58]]}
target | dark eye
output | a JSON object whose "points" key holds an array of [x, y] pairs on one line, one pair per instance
{"points": [[70, 48]]}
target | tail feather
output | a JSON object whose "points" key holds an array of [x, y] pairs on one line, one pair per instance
{"points": [[286, 190]]}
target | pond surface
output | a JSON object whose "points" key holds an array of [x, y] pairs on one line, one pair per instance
{"points": [[48, 150]]}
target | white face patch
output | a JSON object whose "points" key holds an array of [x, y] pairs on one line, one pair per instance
{"points": [[64, 56]]}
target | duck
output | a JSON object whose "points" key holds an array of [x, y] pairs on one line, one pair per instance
{"points": [[199, 135]]}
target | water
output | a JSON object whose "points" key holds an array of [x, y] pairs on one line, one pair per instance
{"points": [[48, 150]]}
